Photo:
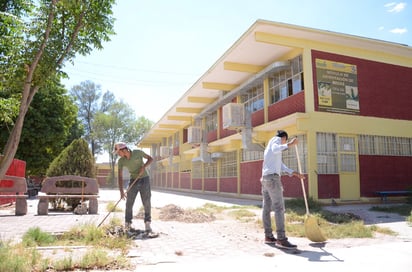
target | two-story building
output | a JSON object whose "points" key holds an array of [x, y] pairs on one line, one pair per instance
{"points": [[348, 100]]}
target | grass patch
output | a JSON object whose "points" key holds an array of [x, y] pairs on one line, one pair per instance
{"points": [[107, 252], [111, 207], [332, 225], [242, 214], [36, 237]]}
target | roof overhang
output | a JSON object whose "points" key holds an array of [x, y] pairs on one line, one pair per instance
{"points": [[262, 45]]}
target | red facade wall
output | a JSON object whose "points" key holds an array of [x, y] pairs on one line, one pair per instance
{"points": [[292, 186], [250, 173], [258, 118], [211, 184], [211, 136], [228, 185], [328, 186], [163, 180], [292, 104], [169, 180], [380, 173], [197, 184], [175, 183], [185, 180], [384, 89]]}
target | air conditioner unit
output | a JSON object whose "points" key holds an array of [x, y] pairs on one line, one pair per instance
{"points": [[164, 151], [233, 116], [194, 135]]}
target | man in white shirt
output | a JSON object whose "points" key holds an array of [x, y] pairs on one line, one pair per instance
{"points": [[272, 189]]}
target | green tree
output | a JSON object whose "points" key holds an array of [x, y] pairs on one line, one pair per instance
{"points": [[117, 124], [142, 126], [50, 125], [76, 159], [87, 97], [39, 37]]}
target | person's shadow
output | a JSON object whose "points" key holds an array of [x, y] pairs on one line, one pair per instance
{"points": [[312, 256]]}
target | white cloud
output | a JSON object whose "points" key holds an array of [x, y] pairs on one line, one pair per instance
{"points": [[381, 28], [395, 7], [399, 30]]}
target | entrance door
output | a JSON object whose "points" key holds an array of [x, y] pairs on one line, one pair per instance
{"points": [[348, 167]]}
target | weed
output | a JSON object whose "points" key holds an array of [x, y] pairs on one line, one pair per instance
{"points": [[36, 237], [110, 207]]}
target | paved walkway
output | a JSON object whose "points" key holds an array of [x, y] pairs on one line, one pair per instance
{"points": [[221, 245]]}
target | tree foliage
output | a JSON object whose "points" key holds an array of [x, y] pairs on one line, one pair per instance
{"points": [[50, 125], [90, 101], [76, 159], [37, 38]]}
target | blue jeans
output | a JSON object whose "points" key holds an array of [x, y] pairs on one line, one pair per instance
{"points": [[272, 192], [143, 186]]}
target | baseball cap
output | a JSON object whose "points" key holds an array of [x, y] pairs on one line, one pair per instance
{"points": [[118, 146]]}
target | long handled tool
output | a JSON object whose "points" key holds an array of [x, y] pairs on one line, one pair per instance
{"points": [[117, 203], [312, 230]]}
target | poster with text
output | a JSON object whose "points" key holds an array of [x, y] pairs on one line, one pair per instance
{"points": [[337, 87]]}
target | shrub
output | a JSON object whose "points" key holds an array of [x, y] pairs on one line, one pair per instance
{"points": [[75, 159]]}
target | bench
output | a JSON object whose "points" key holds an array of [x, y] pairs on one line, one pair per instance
{"points": [[61, 187], [384, 194], [15, 189]]}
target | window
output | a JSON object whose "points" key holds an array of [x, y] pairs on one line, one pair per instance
{"points": [[210, 170], [385, 145], [228, 166], [197, 169], [327, 153], [289, 155], [251, 155], [347, 154], [211, 122], [285, 83], [253, 98]]}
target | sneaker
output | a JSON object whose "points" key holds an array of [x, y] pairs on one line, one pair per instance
{"points": [[285, 243], [270, 240], [147, 227]]}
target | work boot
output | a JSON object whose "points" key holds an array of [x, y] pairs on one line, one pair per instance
{"points": [[127, 226], [285, 243], [147, 227]]}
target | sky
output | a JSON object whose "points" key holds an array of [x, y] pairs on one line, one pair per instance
{"points": [[162, 47]]}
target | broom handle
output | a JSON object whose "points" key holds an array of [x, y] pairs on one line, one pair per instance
{"points": [[301, 180], [117, 203]]}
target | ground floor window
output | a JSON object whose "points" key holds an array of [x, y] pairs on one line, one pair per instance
{"points": [[197, 169], [228, 165], [210, 170], [251, 155], [289, 156], [327, 153]]}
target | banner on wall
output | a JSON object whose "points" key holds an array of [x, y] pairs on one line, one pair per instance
{"points": [[337, 87]]}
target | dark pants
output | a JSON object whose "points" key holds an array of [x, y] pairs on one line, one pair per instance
{"points": [[143, 186]]}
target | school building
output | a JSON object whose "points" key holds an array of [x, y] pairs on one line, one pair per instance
{"points": [[347, 99]]}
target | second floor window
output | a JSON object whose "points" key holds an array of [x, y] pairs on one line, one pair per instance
{"points": [[211, 122], [285, 83], [253, 99]]}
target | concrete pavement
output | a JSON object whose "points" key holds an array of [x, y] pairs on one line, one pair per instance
{"points": [[221, 244]]}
